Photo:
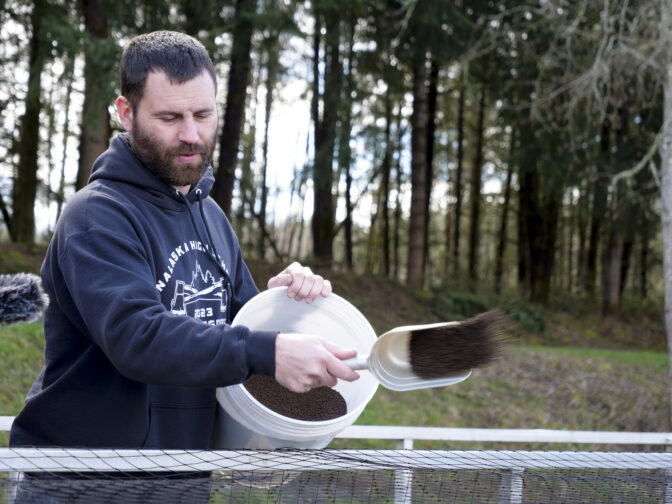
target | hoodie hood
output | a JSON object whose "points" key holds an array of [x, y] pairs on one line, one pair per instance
{"points": [[119, 163]]}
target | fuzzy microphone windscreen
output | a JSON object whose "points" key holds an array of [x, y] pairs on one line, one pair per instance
{"points": [[21, 298]]}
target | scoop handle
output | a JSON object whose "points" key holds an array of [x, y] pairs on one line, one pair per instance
{"points": [[359, 362]]}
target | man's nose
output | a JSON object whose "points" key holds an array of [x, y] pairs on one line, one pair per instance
{"points": [[187, 132]]}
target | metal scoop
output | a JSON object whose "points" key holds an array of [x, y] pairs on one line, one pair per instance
{"points": [[389, 361]]}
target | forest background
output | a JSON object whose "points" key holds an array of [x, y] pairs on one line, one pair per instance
{"points": [[475, 153]]}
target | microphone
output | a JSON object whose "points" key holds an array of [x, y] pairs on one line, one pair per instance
{"points": [[21, 298]]}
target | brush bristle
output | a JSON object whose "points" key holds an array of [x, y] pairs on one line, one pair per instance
{"points": [[457, 348]]}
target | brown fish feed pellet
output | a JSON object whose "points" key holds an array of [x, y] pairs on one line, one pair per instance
{"points": [[322, 403]]}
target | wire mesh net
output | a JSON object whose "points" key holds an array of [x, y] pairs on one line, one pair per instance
{"points": [[333, 476]]}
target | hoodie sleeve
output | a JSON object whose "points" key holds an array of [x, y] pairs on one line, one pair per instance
{"points": [[102, 279]]}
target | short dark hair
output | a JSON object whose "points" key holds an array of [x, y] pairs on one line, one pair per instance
{"points": [[179, 56]]}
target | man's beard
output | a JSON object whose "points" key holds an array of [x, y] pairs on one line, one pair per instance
{"points": [[162, 161]]}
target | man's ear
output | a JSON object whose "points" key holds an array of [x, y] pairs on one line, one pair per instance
{"points": [[125, 112]]}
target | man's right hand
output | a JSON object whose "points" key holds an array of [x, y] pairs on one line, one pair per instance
{"points": [[304, 362]]}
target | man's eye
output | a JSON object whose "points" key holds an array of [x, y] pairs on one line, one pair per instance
{"points": [[167, 119], [203, 115]]}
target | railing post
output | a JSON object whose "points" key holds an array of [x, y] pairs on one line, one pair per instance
{"points": [[403, 478], [14, 478], [668, 486], [511, 487], [668, 476]]}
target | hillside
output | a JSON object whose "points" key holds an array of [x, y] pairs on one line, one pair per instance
{"points": [[387, 304], [561, 369]]}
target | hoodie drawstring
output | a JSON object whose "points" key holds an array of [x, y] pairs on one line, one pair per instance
{"points": [[217, 258]]}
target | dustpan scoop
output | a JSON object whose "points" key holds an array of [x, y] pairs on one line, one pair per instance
{"points": [[390, 363]]}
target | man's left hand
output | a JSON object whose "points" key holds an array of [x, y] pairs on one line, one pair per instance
{"points": [[302, 284]]}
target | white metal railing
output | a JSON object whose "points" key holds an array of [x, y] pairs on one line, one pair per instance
{"points": [[511, 487], [406, 435], [6, 423]]}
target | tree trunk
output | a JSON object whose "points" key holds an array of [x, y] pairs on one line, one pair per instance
{"points": [[600, 195], [542, 229], [569, 227], [622, 211], [245, 216], [200, 16], [344, 151], [95, 129], [540, 203], [666, 195], [596, 224], [501, 244], [25, 185], [51, 129], [447, 237], [156, 16], [386, 172], [458, 180], [523, 246], [396, 233], [302, 220], [234, 116], [611, 263], [323, 224], [288, 236], [303, 190], [626, 259], [529, 215], [371, 257], [272, 67], [7, 218], [68, 77], [432, 95], [644, 258], [581, 224], [475, 194], [348, 220], [416, 240], [299, 182]]}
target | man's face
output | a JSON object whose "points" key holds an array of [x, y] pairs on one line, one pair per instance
{"points": [[174, 127]]}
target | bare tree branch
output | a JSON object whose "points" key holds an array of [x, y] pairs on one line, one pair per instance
{"points": [[643, 163]]}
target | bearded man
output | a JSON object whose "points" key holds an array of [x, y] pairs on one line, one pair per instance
{"points": [[144, 275]]}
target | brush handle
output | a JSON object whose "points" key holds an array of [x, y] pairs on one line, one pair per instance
{"points": [[359, 362]]}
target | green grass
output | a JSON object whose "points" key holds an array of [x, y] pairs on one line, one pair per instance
{"points": [[533, 387], [22, 357], [530, 387], [657, 361]]}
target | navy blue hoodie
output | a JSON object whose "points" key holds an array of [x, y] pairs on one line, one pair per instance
{"points": [[142, 282]]}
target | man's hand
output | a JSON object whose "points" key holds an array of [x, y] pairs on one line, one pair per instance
{"points": [[304, 362], [301, 283]]}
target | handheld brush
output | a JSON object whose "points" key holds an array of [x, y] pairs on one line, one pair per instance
{"points": [[433, 355], [456, 348]]}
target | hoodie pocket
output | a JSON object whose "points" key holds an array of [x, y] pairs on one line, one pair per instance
{"points": [[180, 427]]}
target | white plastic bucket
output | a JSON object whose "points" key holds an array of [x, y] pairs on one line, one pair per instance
{"points": [[245, 423]]}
